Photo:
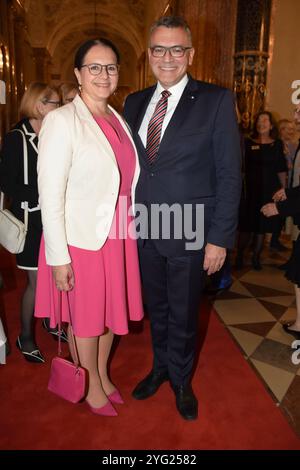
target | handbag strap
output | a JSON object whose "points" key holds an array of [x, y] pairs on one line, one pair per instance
{"points": [[25, 160], [74, 347]]}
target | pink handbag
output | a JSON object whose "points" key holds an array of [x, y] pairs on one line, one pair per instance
{"points": [[67, 379]]}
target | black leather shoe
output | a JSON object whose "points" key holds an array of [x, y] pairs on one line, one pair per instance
{"points": [[149, 385], [30, 356], [295, 333], [186, 402], [55, 332], [256, 263]]}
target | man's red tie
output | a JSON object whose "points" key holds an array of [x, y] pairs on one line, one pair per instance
{"points": [[155, 126]]}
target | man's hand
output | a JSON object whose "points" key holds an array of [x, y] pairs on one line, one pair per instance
{"points": [[214, 258], [280, 195], [63, 277], [269, 209]]}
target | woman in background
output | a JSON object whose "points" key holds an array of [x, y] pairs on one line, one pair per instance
{"points": [[67, 92], [265, 173], [38, 100], [287, 202]]}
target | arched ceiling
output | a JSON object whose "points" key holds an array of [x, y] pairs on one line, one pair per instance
{"points": [[64, 41], [59, 26], [63, 57], [53, 22]]}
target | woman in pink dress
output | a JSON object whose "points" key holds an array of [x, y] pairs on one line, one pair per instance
{"points": [[87, 172]]}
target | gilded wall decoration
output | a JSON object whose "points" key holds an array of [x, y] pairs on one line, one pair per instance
{"points": [[251, 58], [250, 85]]}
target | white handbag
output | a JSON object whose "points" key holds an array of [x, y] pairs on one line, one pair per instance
{"points": [[12, 230]]}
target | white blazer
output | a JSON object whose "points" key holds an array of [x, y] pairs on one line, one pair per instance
{"points": [[78, 181]]}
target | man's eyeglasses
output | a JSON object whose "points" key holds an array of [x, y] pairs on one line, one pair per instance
{"points": [[56, 103], [175, 51], [96, 69]]}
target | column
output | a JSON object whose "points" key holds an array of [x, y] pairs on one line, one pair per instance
{"points": [[212, 23], [20, 57], [251, 57]]}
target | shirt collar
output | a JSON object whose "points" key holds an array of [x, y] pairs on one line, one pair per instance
{"points": [[175, 90]]}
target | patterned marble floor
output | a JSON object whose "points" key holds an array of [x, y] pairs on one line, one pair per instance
{"points": [[253, 310]]}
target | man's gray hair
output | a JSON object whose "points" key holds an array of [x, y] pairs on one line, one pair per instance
{"points": [[172, 22]]}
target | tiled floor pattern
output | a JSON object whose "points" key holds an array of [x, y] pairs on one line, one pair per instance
{"points": [[253, 310]]}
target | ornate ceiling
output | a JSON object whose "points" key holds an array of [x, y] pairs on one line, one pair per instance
{"points": [[61, 25]]}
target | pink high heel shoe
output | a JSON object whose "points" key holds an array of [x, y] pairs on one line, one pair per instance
{"points": [[106, 410], [115, 397]]}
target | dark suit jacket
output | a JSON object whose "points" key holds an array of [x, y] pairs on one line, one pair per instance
{"points": [[198, 160], [295, 213], [291, 206], [12, 172]]}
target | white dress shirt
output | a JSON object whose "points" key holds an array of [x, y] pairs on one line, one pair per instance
{"points": [[176, 92]]}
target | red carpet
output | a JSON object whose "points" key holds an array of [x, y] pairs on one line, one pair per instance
{"points": [[235, 411]]}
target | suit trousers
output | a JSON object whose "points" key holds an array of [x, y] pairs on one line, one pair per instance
{"points": [[172, 288]]}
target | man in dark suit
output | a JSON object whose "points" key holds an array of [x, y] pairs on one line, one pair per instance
{"points": [[188, 143]]}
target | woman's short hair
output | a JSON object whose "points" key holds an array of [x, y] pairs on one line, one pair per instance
{"points": [[35, 92], [86, 46], [273, 132], [282, 123]]}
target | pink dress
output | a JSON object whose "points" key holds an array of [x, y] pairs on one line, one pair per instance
{"points": [[107, 290]]}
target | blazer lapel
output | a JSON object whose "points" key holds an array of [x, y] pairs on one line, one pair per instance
{"points": [[183, 108], [31, 135]]}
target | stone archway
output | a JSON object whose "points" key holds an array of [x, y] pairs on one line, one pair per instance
{"points": [[59, 27], [62, 55]]}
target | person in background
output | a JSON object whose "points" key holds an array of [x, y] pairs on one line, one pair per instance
{"points": [[294, 179], [87, 172], [67, 92], [4, 346], [265, 173], [287, 202], [189, 148], [38, 100], [295, 174], [287, 133]]}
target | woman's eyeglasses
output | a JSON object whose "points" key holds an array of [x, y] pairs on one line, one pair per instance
{"points": [[55, 103], [96, 69]]}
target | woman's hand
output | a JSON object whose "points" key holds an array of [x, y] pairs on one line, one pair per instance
{"points": [[269, 209], [280, 195], [63, 277]]}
